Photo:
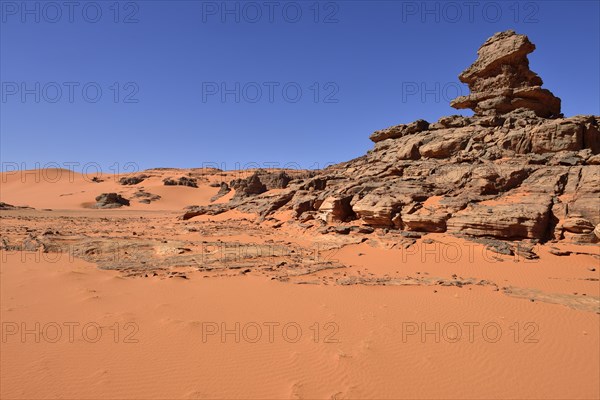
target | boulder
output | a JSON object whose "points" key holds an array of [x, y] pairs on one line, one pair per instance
{"points": [[110, 200]]}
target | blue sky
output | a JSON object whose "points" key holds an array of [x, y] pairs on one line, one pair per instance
{"points": [[298, 84]]}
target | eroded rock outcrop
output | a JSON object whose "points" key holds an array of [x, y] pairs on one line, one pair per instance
{"points": [[145, 197], [248, 187], [181, 181], [516, 170], [132, 180], [6, 206]]}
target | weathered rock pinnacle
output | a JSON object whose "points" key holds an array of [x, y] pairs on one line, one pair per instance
{"points": [[501, 81]]}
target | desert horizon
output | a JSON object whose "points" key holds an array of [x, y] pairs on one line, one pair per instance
{"points": [[455, 256]]}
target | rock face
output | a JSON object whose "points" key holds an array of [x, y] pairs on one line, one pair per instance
{"points": [[513, 171], [259, 182], [248, 187], [277, 180], [223, 190], [111, 200], [501, 81]]}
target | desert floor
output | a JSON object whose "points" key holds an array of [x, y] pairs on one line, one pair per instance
{"points": [[137, 303]]}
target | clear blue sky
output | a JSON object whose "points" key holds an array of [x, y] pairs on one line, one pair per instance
{"points": [[361, 66]]}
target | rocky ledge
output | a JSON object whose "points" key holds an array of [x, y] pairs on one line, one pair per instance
{"points": [[514, 170]]}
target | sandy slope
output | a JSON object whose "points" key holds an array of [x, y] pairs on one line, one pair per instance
{"points": [[552, 358]]}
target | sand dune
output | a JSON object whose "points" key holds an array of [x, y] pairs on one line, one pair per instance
{"points": [[68, 190]]}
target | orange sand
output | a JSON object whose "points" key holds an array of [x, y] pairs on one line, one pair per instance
{"points": [[157, 336]]}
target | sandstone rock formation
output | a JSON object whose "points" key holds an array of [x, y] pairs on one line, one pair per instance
{"points": [[182, 181], [248, 187], [513, 171], [501, 81], [132, 180], [110, 200]]}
